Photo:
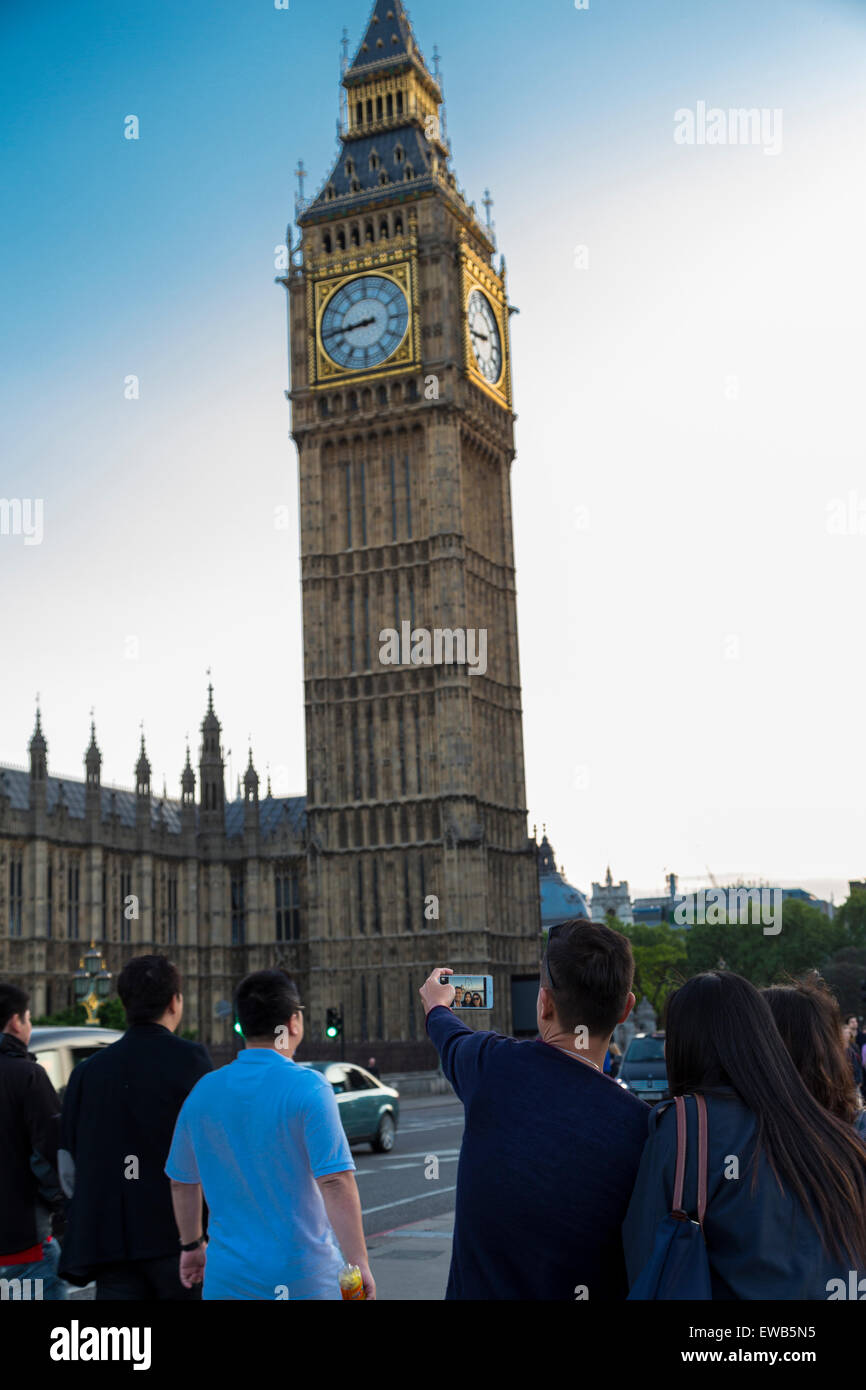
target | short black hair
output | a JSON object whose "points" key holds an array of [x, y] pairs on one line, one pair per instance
{"points": [[147, 985], [264, 1001], [593, 968], [13, 1000]]}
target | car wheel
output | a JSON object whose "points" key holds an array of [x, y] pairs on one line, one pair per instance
{"points": [[384, 1140]]}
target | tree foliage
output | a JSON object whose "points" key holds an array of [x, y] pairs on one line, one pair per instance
{"points": [[111, 1015]]}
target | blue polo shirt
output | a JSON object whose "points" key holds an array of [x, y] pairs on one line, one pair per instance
{"points": [[256, 1134], [550, 1154]]}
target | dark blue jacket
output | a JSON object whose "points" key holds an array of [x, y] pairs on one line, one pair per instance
{"points": [[761, 1245], [550, 1153]]}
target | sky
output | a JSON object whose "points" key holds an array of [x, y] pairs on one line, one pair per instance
{"points": [[689, 491]]}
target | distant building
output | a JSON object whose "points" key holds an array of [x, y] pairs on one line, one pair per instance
{"points": [[559, 900], [611, 899], [802, 896], [652, 911]]}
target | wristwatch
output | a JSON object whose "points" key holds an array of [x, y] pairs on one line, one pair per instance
{"points": [[193, 1244]]}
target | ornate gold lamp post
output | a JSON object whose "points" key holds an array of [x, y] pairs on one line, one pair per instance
{"points": [[91, 983]]}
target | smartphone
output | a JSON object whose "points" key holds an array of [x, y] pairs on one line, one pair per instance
{"points": [[470, 991]]}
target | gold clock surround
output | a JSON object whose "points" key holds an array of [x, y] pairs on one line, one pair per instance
{"points": [[396, 266], [475, 275]]}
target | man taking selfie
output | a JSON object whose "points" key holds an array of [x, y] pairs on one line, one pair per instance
{"points": [[551, 1145]]}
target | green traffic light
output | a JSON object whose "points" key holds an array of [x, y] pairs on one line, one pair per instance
{"points": [[238, 1028], [331, 1032]]}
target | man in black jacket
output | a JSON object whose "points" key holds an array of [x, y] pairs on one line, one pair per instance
{"points": [[29, 1134], [119, 1114]]}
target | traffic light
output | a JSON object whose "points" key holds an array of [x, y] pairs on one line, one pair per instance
{"points": [[333, 1023]]}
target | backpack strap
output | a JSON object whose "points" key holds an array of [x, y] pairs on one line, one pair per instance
{"points": [[682, 1141]]}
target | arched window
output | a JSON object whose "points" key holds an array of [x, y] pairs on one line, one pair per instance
{"points": [[379, 99], [389, 105], [370, 109], [326, 243], [341, 240], [355, 237], [398, 226], [355, 186], [383, 225], [383, 179], [368, 231], [409, 172], [399, 103], [359, 112], [399, 154]]}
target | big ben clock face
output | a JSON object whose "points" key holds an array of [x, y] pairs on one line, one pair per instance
{"points": [[365, 322], [484, 336]]}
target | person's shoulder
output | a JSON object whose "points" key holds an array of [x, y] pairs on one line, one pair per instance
{"points": [[306, 1081], [189, 1049]]}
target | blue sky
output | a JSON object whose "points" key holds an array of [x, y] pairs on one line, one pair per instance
{"points": [[660, 523]]}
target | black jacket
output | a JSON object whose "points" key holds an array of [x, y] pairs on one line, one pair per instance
{"points": [[29, 1135], [119, 1114]]}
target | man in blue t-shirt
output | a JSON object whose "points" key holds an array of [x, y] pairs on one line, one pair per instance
{"points": [[551, 1146], [263, 1141]]}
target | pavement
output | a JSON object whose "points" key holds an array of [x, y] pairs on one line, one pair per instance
{"points": [[411, 1262]]}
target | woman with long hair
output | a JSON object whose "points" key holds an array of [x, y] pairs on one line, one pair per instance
{"points": [[810, 1022], [786, 1178]]}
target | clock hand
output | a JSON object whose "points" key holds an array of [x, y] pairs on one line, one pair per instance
{"points": [[485, 336], [349, 328]]}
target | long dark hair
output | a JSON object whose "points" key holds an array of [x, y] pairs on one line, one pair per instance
{"points": [[810, 1022], [720, 1031]]}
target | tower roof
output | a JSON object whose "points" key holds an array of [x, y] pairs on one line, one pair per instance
{"points": [[388, 45], [393, 146], [142, 767], [93, 757], [210, 723], [187, 777], [37, 742]]}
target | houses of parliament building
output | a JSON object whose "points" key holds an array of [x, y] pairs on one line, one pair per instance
{"points": [[410, 848]]}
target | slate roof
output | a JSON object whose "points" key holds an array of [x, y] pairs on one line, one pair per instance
{"points": [[273, 810], [416, 152], [386, 42]]}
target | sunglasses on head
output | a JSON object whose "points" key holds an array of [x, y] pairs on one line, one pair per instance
{"points": [[550, 935]]}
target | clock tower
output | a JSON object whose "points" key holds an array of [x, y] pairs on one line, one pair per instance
{"points": [[401, 403]]}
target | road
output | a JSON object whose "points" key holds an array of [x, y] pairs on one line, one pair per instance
{"points": [[393, 1186]]}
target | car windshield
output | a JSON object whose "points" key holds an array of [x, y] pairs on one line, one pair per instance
{"points": [[646, 1050]]}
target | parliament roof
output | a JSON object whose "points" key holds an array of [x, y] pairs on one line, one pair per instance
{"points": [[274, 811]]}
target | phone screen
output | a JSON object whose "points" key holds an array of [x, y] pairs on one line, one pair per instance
{"points": [[472, 991]]}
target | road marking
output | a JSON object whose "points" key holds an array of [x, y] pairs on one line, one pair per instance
{"points": [[403, 1200], [425, 1153], [395, 1167], [415, 1235]]}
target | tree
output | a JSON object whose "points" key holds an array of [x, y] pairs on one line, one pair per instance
{"points": [[844, 973], [659, 959], [806, 941], [111, 1015], [852, 917]]}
